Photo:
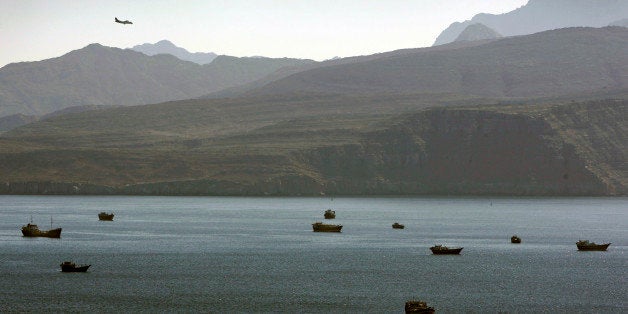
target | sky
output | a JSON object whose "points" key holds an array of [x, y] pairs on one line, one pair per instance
{"points": [[33, 30]]}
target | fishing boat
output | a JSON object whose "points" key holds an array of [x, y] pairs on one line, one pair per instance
{"points": [[441, 249], [330, 214], [105, 216], [418, 307], [515, 239], [585, 245], [70, 267], [321, 227], [32, 230], [397, 225]]}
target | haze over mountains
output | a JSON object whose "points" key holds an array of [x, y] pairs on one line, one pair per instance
{"points": [[541, 15]]}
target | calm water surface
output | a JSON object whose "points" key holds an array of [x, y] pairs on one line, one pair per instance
{"points": [[229, 255]]}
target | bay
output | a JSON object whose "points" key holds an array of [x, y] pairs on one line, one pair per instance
{"points": [[247, 254]]}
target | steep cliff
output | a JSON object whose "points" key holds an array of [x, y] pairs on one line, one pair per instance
{"points": [[469, 151]]}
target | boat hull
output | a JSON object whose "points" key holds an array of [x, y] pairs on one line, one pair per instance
{"points": [[74, 268], [319, 227], [595, 247], [515, 240], [448, 251], [53, 233]]}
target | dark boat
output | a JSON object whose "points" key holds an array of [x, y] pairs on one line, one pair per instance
{"points": [[585, 245], [418, 307], [515, 239], [321, 227], [440, 249], [70, 267], [105, 216], [330, 214], [397, 225], [32, 230]]}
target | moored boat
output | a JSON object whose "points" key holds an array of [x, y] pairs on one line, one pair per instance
{"points": [[585, 245], [515, 239], [70, 267], [397, 225], [321, 227], [441, 249], [32, 230], [418, 307], [330, 214], [105, 216]]}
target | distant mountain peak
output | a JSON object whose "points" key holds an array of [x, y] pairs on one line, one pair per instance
{"points": [[477, 31], [167, 47], [165, 42], [541, 15]]}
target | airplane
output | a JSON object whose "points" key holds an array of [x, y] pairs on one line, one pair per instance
{"points": [[123, 22]]}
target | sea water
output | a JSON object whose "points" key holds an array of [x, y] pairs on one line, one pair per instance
{"points": [[243, 255]]}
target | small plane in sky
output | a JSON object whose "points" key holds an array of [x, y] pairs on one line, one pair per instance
{"points": [[123, 22]]}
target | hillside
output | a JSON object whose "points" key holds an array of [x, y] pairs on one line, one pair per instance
{"points": [[526, 149], [541, 15], [547, 64], [98, 75]]}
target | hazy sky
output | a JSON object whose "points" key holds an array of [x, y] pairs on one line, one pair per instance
{"points": [[32, 30]]}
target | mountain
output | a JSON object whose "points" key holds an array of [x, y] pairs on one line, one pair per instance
{"points": [[546, 64], [167, 47], [541, 15], [477, 31], [542, 114], [99, 75]]}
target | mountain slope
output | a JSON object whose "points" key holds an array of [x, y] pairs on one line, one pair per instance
{"points": [[540, 15], [245, 89], [547, 64], [98, 75]]}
